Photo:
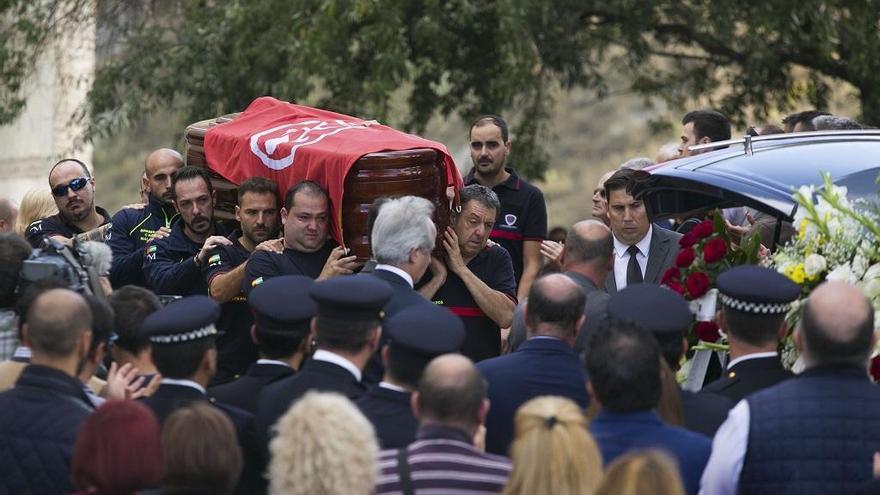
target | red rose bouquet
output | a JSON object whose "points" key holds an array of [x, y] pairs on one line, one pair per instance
{"points": [[706, 251]]}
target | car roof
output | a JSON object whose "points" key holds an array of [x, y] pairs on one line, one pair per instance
{"points": [[762, 172]]}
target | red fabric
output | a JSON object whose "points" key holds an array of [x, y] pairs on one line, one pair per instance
{"points": [[504, 234], [466, 312], [324, 153]]}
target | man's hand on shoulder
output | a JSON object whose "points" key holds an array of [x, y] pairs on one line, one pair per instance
{"points": [[211, 243], [272, 246]]}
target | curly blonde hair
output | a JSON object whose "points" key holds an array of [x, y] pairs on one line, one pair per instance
{"points": [[36, 204], [648, 471], [323, 446], [553, 452]]}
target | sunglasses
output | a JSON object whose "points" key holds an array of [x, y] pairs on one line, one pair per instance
{"points": [[74, 185]]}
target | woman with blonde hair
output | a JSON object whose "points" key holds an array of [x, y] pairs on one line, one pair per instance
{"points": [[553, 452], [323, 446], [648, 471], [36, 204]]}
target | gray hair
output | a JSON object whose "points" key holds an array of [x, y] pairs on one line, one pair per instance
{"points": [[835, 123], [637, 163], [403, 224], [483, 194], [668, 151]]}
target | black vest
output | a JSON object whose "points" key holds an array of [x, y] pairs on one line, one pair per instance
{"points": [[813, 434]]}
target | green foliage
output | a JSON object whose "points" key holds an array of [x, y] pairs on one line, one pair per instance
{"points": [[460, 58]]}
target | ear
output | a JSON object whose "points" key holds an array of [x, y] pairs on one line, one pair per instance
{"points": [[283, 215], [508, 145], [592, 393], [704, 140], [385, 352], [783, 329], [413, 255], [799, 343], [414, 404], [25, 336], [145, 183], [214, 198], [209, 361], [483, 411], [579, 324], [237, 213], [313, 330], [85, 342], [254, 332], [374, 338]]}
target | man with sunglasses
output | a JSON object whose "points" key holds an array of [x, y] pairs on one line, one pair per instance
{"points": [[133, 227], [73, 188]]}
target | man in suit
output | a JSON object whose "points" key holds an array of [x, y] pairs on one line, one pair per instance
{"points": [[282, 312], [182, 336], [817, 432], [754, 301], [667, 316], [624, 378], [554, 314], [347, 328], [586, 258], [41, 416], [417, 335], [402, 239], [642, 251]]}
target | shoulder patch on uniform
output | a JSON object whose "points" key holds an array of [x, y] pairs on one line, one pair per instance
{"points": [[257, 281], [214, 259], [36, 226], [151, 249]]}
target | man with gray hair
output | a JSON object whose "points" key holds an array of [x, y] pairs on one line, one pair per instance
{"points": [[835, 123], [402, 239], [41, 416], [476, 281]]}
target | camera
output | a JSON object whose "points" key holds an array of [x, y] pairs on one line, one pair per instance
{"points": [[57, 260]]}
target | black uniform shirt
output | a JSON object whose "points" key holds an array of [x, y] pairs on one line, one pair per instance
{"points": [[57, 224], [264, 265]]}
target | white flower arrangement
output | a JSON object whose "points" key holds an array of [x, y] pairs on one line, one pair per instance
{"points": [[837, 239]]}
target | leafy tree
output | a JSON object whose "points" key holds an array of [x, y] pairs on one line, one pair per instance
{"points": [[464, 57]]}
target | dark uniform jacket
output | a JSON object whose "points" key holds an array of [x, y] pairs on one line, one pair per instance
{"points": [[168, 398], [244, 391], [540, 366], [704, 412], [57, 224], [128, 238], [169, 267], [403, 296], [276, 398], [391, 414], [749, 376], [39, 421]]}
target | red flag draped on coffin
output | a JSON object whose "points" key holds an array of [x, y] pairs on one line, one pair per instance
{"points": [[288, 143]]}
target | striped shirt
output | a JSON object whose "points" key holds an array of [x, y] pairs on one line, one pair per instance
{"points": [[443, 460]]}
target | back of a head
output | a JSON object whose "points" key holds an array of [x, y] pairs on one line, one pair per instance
{"points": [[623, 363], [589, 241], [103, 321], [648, 471], [837, 325], [708, 123], [36, 204], [55, 321], [554, 306], [13, 251], [451, 392], [835, 123], [553, 451], [325, 446], [118, 450], [132, 305], [201, 451], [638, 163], [750, 328], [403, 224], [804, 119]]}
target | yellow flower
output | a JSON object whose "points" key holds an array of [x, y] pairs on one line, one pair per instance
{"points": [[802, 229], [796, 273]]}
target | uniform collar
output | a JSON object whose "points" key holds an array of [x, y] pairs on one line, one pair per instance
{"points": [[105, 216], [513, 182], [184, 383], [756, 355], [331, 357], [273, 361], [391, 386], [168, 213]]}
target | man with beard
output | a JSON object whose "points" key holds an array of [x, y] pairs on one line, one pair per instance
{"points": [[308, 249], [73, 188], [522, 216], [134, 227], [476, 282], [173, 264], [257, 213]]}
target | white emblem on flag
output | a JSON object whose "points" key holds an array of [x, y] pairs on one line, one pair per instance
{"points": [[510, 219], [287, 138]]}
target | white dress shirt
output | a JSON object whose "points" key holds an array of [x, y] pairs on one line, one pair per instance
{"points": [[391, 386], [185, 383], [273, 361], [330, 357], [755, 355], [721, 476], [396, 271], [621, 257]]}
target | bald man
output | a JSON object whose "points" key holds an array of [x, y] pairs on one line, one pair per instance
{"points": [[451, 407], [817, 432], [41, 416], [8, 214], [133, 227], [545, 364], [73, 188]]}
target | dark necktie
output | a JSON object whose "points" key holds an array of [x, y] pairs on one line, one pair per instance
{"points": [[633, 270]]}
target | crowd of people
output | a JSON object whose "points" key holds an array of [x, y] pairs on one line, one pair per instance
{"points": [[267, 359]]}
